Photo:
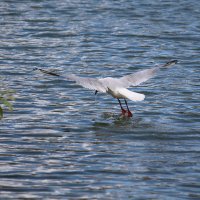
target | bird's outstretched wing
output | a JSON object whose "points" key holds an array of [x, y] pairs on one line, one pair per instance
{"points": [[138, 77], [142, 76], [89, 83]]}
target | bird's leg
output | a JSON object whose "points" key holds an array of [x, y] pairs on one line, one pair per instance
{"points": [[129, 112], [122, 109]]}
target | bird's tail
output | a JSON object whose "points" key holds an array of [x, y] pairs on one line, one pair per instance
{"points": [[133, 96]]}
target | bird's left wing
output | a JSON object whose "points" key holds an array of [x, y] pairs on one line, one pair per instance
{"points": [[89, 83]]}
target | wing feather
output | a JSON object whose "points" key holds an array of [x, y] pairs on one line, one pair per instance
{"points": [[142, 76], [138, 77], [89, 83]]}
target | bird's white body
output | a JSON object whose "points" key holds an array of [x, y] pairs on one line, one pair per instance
{"points": [[119, 92]]}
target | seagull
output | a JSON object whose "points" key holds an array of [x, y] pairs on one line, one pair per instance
{"points": [[117, 87]]}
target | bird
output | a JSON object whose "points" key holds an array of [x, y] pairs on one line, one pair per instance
{"points": [[117, 87]]}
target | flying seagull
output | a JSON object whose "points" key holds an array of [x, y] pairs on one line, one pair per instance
{"points": [[117, 87]]}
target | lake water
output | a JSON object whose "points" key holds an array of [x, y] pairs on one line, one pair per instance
{"points": [[62, 143]]}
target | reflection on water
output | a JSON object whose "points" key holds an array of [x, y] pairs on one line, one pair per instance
{"points": [[60, 142]]}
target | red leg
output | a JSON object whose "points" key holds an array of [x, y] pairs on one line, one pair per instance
{"points": [[122, 109], [129, 112]]}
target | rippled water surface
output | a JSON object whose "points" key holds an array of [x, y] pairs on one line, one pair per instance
{"points": [[62, 143]]}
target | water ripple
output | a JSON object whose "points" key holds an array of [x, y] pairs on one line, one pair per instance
{"points": [[60, 141]]}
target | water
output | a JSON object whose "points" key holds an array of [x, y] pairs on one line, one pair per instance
{"points": [[61, 143]]}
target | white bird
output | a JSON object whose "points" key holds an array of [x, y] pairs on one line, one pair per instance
{"points": [[117, 87]]}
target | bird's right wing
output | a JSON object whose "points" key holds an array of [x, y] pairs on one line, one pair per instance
{"points": [[89, 83], [138, 77], [142, 76]]}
